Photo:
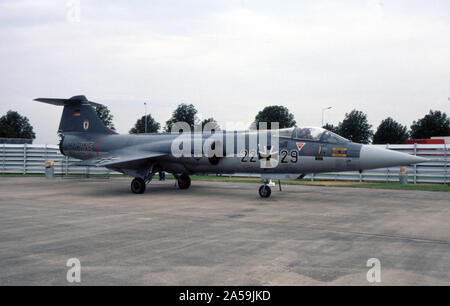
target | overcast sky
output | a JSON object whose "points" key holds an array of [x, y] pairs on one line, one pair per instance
{"points": [[228, 58]]}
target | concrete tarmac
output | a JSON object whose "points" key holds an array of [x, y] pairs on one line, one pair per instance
{"points": [[218, 233]]}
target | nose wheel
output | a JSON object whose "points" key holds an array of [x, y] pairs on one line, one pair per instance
{"points": [[265, 191]]}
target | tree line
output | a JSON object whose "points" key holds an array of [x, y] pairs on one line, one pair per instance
{"points": [[354, 126], [183, 113]]}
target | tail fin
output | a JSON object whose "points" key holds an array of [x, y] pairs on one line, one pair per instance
{"points": [[78, 115]]}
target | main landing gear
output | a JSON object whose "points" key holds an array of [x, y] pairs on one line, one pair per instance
{"points": [[138, 185], [184, 181], [141, 177]]}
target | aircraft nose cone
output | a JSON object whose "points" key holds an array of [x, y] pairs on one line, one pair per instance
{"points": [[372, 157]]}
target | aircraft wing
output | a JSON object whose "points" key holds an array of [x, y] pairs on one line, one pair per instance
{"points": [[113, 159]]}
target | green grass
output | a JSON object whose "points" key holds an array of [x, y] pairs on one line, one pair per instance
{"points": [[59, 175], [19, 175], [426, 187], [329, 183], [422, 186]]}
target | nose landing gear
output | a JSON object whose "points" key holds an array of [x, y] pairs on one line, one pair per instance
{"points": [[265, 191]]}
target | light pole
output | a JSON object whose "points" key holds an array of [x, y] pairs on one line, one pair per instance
{"points": [[145, 118], [323, 110]]}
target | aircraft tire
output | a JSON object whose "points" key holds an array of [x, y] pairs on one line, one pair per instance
{"points": [[184, 181], [138, 185], [264, 191]]}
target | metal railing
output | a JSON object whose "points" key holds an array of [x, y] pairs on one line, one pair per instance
{"points": [[30, 159], [433, 171]]}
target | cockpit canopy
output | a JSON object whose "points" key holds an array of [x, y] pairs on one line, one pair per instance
{"points": [[312, 134]]}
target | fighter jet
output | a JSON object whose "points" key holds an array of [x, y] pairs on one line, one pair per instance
{"points": [[273, 154]]}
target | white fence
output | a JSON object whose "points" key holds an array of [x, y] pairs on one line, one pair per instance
{"points": [[433, 171], [30, 159]]}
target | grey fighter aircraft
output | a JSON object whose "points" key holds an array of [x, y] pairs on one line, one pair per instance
{"points": [[274, 154]]}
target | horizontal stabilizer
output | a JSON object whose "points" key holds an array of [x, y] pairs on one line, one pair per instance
{"points": [[72, 101]]}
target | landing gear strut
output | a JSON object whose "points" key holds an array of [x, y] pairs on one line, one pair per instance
{"points": [[138, 185], [184, 181], [142, 177], [265, 191]]}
